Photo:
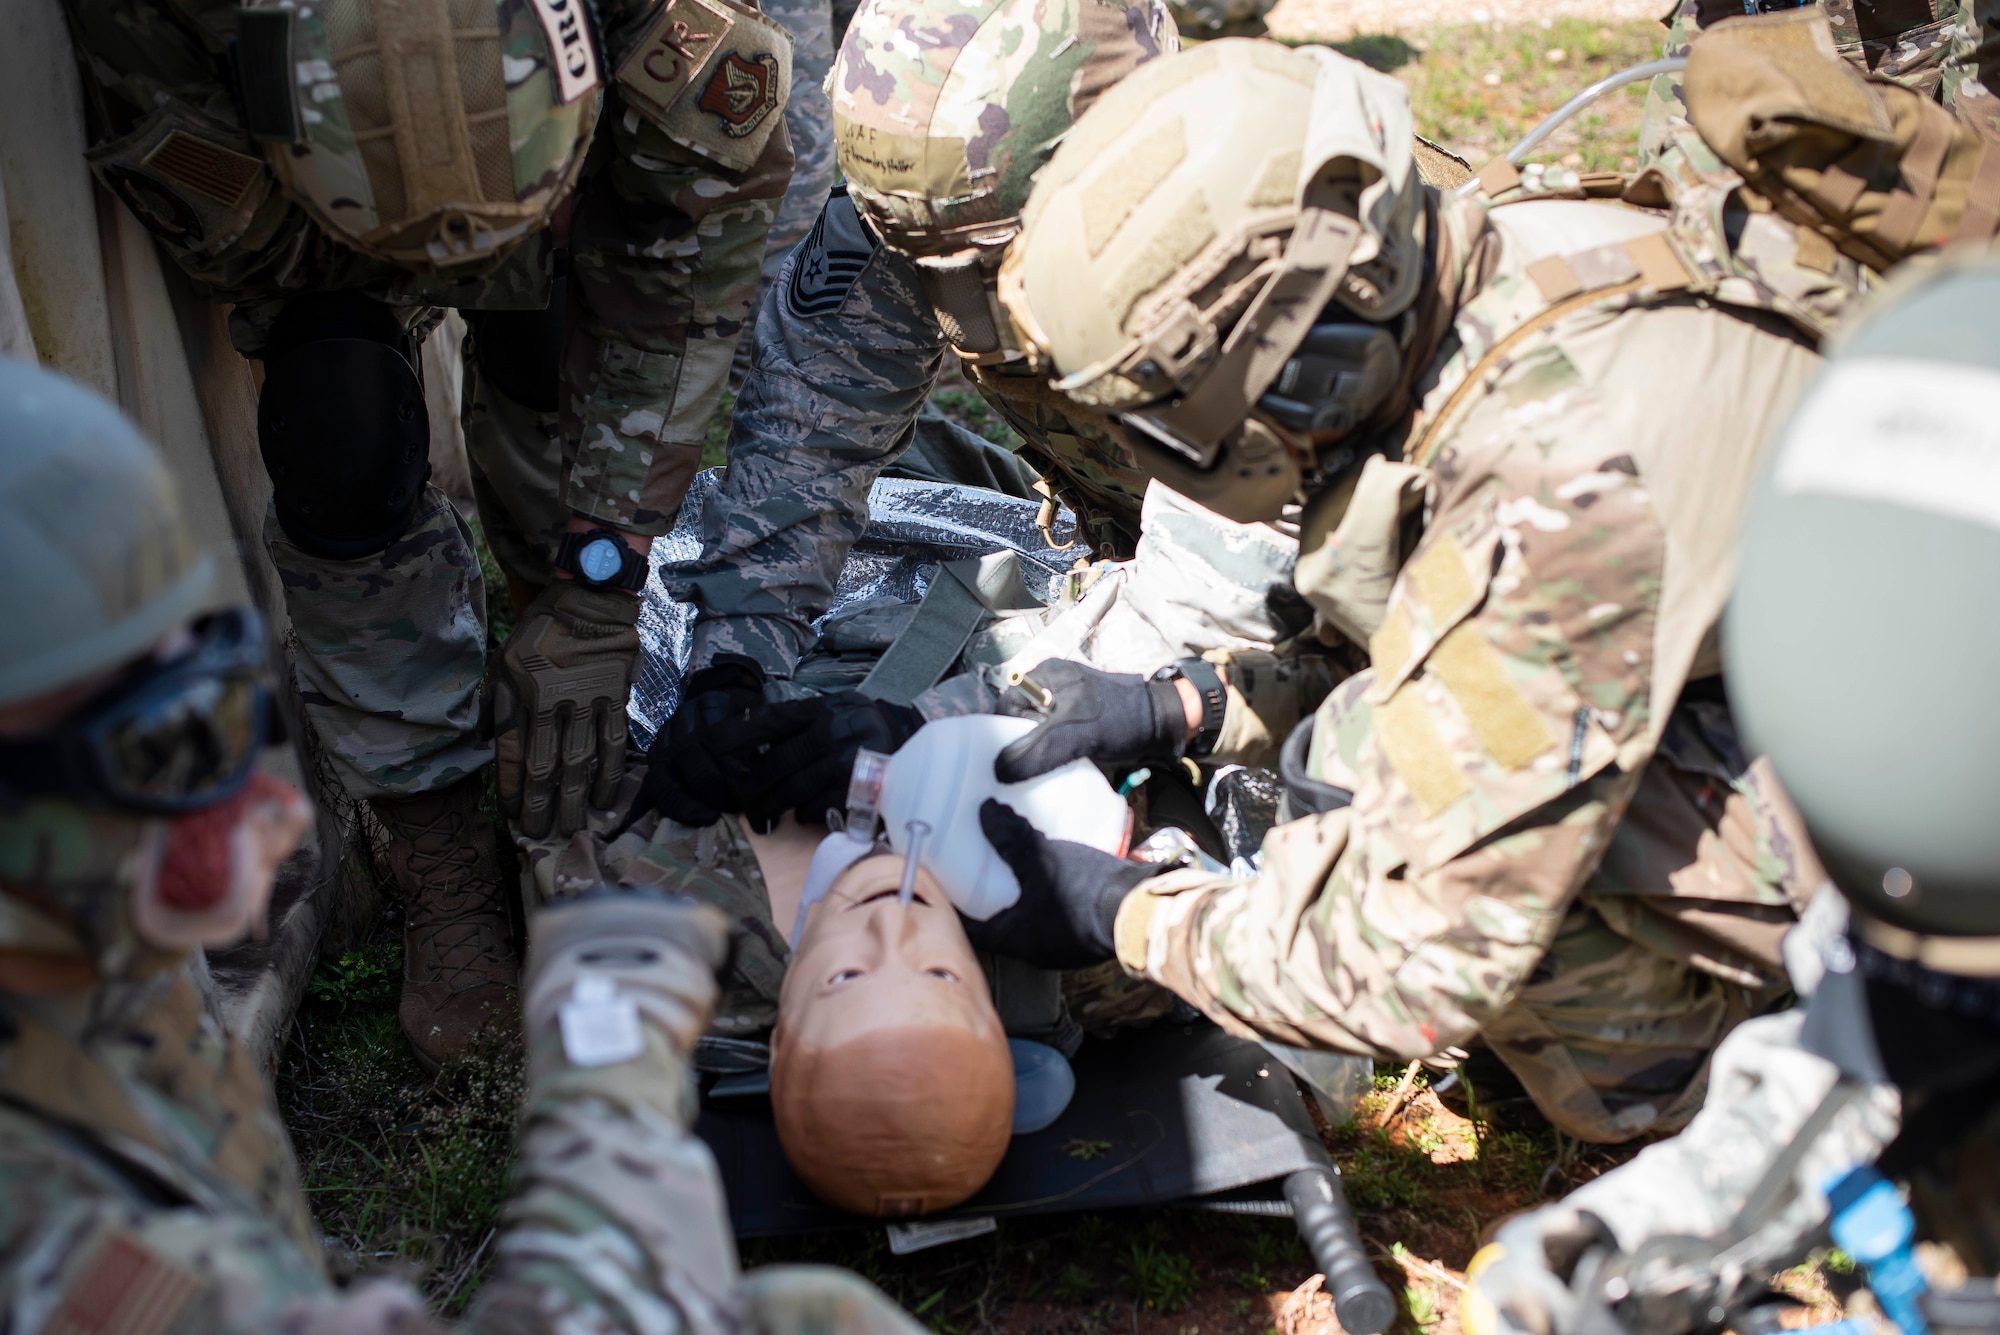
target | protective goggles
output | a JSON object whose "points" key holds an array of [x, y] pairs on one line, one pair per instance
{"points": [[166, 736]]}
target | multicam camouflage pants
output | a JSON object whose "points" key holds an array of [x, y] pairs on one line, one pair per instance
{"points": [[391, 648]]}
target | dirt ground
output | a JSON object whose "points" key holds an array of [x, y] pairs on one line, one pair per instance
{"points": [[408, 1173]]}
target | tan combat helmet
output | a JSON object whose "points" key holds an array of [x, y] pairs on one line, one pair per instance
{"points": [[944, 110], [1189, 236], [431, 133]]}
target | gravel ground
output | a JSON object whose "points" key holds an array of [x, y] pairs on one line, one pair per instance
{"points": [[1338, 20]]}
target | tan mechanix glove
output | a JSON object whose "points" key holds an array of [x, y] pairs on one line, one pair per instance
{"points": [[559, 706]]}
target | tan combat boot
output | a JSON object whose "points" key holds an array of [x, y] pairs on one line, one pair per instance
{"points": [[459, 966]]}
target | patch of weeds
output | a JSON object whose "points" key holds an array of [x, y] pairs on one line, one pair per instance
{"points": [[401, 1170], [361, 979], [1239, 1307], [499, 607], [1422, 1306], [958, 399], [1386, 52], [1074, 1285], [1265, 1250], [1162, 1281]]}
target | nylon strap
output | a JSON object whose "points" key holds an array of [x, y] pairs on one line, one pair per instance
{"points": [[1659, 268], [1775, 1187], [1905, 211], [1982, 197], [963, 597], [1269, 332]]}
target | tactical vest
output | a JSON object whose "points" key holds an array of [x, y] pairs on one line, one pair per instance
{"points": [[1722, 241]]}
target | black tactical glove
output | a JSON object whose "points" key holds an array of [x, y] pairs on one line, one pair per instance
{"points": [[1114, 717], [689, 777], [797, 755], [1070, 895]]}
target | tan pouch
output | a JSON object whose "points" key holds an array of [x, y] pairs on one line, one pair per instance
{"points": [[1879, 171]]}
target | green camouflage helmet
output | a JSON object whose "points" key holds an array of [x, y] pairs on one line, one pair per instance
{"points": [[430, 133], [99, 562], [944, 110]]}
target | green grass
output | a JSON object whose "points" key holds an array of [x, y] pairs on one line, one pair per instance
{"points": [[400, 1168], [1477, 89]]}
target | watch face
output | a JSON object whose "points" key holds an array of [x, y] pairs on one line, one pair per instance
{"points": [[601, 559]]}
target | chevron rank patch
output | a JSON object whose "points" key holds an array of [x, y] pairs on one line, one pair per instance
{"points": [[827, 264]]}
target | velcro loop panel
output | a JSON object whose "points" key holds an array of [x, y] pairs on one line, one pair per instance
{"points": [[1389, 646], [1498, 177], [1659, 265], [1603, 266], [1554, 278], [1441, 577], [1414, 748], [420, 77], [1507, 724]]}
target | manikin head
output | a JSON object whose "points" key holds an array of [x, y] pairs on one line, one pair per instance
{"points": [[891, 1080], [133, 823]]}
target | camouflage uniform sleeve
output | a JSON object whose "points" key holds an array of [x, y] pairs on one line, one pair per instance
{"points": [[847, 351], [666, 245], [1764, 1086], [1491, 749]]}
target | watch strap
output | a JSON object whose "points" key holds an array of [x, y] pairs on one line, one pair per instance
{"points": [[1208, 684]]}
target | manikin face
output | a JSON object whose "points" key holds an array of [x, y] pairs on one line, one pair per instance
{"points": [[891, 1081], [864, 961]]}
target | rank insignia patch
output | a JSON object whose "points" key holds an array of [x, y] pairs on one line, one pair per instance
{"points": [[829, 261]]}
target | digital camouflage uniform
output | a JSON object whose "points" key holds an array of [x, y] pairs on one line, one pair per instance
{"points": [[848, 347], [809, 122], [664, 248], [149, 1185], [1550, 846], [848, 350]]}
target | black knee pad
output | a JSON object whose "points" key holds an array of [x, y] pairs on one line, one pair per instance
{"points": [[519, 353], [343, 427]]}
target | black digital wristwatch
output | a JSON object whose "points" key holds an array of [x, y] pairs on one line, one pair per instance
{"points": [[1207, 682], [600, 558]]}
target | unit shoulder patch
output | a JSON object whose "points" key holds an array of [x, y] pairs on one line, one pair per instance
{"points": [[713, 75], [827, 264]]}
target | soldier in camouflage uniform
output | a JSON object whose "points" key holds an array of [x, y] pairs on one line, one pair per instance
{"points": [[943, 114], [290, 161], [1887, 1074], [1523, 431], [149, 1183]]}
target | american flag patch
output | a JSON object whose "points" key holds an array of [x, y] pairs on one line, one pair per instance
{"points": [[127, 1289]]}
